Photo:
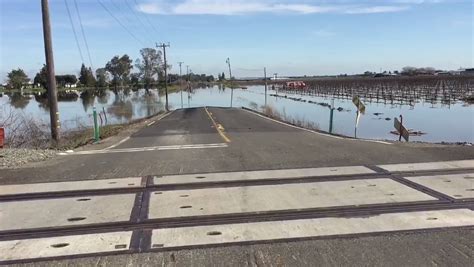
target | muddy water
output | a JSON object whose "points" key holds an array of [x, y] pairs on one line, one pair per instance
{"points": [[440, 122]]}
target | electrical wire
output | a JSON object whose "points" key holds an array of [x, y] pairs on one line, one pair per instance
{"points": [[148, 20], [134, 12], [74, 31], [83, 34], [120, 23]]}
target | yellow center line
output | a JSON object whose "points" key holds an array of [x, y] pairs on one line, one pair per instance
{"points": [[219, 128]]}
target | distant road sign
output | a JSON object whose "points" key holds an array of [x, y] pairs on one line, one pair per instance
{"points": [[401, 129], [358, 103]]}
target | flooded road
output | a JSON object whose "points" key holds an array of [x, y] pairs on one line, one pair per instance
{"points": [[441, 122]]}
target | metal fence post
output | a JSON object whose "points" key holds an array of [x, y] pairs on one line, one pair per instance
{"points": [[96, 126]]}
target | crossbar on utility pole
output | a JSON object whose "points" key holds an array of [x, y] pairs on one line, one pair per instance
{"points": [[52, 91], [164, 46]]}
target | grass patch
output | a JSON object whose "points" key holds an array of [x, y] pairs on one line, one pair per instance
{"points": [[296, 121], [82, 137]]}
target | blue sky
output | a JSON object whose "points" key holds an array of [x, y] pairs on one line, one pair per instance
{"points": [[289, 37]]}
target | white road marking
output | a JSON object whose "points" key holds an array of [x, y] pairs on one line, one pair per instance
{"points": [[151, 123], [316, 132], [21, 215], [429, 166], [117, 144], [458, 186], [37, 248], [261, 175], [146, 149], [134, 182], [127, 138], [214, 201], [264, 231]]}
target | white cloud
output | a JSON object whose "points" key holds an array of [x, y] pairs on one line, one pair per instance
{"points": [[376, 9], [242, 7]]}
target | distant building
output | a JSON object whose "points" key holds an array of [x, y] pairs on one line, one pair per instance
{"points": [[443, 73], [468, 72]]}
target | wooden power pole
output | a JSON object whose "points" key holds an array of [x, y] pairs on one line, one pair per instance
{"points": [[52, 91], [181, 82], [164, 46], [266, 86]]}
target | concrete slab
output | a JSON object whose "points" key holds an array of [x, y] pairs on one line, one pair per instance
{"points": [[22, 215], [64, 246], [429, 166], [459, 186], [133, 182], [261, 231], [213, 201], [260, 175]]}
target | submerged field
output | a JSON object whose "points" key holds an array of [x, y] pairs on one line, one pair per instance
{"points": [[438, 107]]}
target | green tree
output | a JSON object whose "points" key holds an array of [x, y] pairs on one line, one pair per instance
{"points": [[149, 65], [41, 78], [86, 77], [135, 80], [119, 68], [66, 80], [221, 77], [102, 77], [16, 79]]}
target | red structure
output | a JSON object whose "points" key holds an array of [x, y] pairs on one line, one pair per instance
{"points": [[2, 137], [296, 85]]}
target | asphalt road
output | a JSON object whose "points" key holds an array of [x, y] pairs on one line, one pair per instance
{"points": [[255, 144]]}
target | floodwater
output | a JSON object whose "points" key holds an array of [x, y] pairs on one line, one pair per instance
{"points": [[441, 122]]}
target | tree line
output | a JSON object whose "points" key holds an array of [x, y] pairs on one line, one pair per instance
{"points": [[116, 73]]}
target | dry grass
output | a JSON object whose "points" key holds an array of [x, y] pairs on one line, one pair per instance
{"points": [[282, 116], [25, 131]]}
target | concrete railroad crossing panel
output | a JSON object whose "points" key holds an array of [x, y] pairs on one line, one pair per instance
{"points": [[46, 213], [429, 166], [262, 231], [214, 201], [134, 182], [261, 175], [458, 186], [64, 246]]}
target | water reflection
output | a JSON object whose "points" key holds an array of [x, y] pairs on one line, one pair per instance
{"points": [[19, 101], [453, 121], [88, 99]]}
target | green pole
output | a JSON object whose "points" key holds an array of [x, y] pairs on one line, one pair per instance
{"points": [[96, 126]]}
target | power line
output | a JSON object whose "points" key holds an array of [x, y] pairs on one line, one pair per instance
{"points": [[83, 34], [131, 22], [120, 23], [134, 12], [74, 31], [148, 20]]}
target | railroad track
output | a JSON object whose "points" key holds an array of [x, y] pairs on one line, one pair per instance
{"points": [[141, 225]]}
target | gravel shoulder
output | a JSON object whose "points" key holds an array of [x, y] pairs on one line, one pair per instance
{"points": [[11, 158]]}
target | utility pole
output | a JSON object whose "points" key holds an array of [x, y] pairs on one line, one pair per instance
{"points": [[52, 92], [180, 64], [181, 82], [231, 85], [164, 46], [230, 69], [189, 82], [265, 77]]}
